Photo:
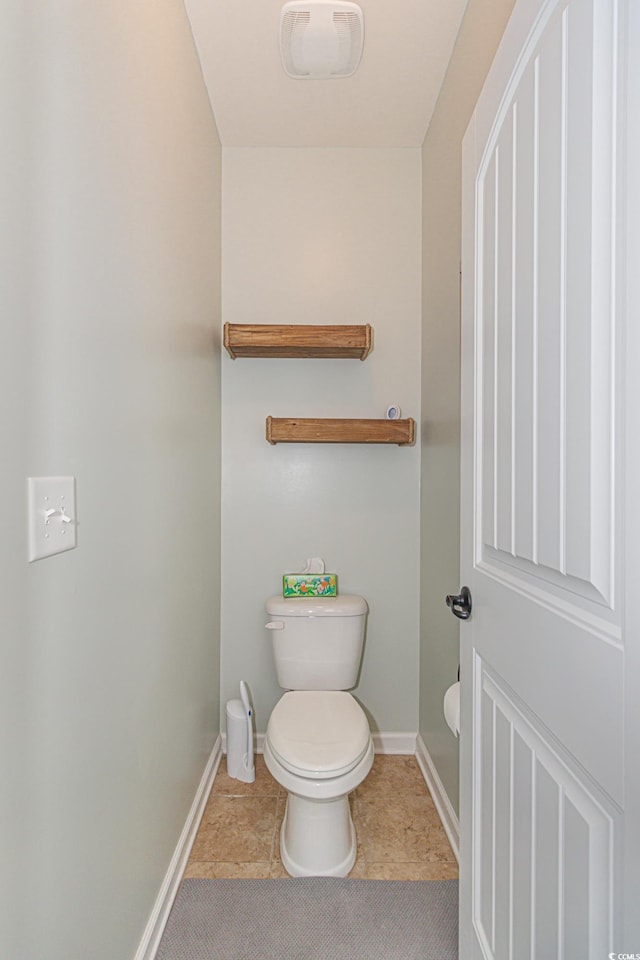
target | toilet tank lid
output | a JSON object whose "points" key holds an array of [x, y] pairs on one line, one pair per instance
{"points": [[346, 605]]}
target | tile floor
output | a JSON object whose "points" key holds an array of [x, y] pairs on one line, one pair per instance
{"points": [[400, 836]]}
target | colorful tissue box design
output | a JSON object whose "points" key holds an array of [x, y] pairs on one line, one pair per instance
{"points": [[309, 585]]}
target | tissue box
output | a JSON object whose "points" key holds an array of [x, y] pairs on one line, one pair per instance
{"points": [[309, 585]]}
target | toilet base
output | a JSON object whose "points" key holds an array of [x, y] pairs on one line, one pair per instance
{"points": [[318, 838]]}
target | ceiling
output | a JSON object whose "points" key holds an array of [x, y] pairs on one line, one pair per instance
{"points": [[388, 102]]}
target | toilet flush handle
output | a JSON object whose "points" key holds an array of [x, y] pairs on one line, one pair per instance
{"points": [[275, 625]]}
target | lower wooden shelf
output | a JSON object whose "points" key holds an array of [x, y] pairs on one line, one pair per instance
{"points": [[296, 430]]}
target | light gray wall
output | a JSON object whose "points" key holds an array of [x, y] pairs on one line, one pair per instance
{"points": [[478, 38], [322, 236], [109, 371]]}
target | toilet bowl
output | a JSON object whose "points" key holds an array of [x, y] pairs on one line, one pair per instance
{"points": [[319, 748]]}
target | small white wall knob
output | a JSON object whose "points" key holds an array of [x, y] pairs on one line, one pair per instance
{"points": [[275, 625]]}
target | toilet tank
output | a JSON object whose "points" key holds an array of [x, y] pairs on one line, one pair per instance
{"points": [[317, 642]]}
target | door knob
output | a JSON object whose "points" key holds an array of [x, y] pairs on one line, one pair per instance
{"points": [[460, 604]]}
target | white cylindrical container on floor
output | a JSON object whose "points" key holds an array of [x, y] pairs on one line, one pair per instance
{"points": [[239, 764]]}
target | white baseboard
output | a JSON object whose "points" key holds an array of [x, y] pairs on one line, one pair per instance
{"points": [[395, 743], [160, 914], [389, 743], [440, 798]]}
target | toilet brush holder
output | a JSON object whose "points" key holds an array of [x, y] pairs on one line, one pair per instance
{"points": [[240, 765]]}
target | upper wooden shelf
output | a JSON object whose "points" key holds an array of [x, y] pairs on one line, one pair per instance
{"points": [[298, 340], [296, 430]]}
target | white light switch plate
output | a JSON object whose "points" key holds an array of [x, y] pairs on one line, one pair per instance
{"points": [[52, 515]]}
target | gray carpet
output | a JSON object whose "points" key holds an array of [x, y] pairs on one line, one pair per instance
{"points": [[315, 918]]}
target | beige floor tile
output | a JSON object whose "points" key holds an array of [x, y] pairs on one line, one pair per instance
{"points": [[440, 846], [280, 808], [221, 870], [358, 871], [411, 871], [263, 786], [393, 776], [236, 828], [398, 829]]}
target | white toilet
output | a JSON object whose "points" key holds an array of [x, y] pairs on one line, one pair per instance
{"points": [[318, 744]]}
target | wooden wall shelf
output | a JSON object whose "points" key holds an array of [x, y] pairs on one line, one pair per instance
{"points": [[298, 340], [290, 430]]}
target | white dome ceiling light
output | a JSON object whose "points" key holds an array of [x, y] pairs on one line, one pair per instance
{"points": [[321, 39]]}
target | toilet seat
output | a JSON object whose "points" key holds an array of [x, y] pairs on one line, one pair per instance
{"points": [[318, 734]]}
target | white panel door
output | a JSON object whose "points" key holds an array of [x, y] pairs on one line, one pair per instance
{"points": [[544, 653]]}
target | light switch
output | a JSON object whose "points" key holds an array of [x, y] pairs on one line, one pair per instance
{"points": [[52, 515]]}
